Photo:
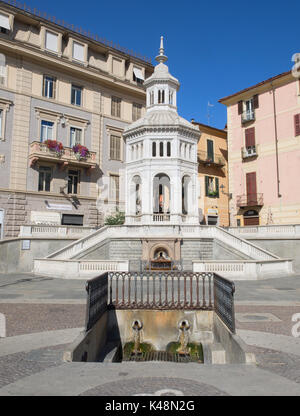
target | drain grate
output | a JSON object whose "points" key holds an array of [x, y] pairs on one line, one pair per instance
{"points": [[163, 356]]}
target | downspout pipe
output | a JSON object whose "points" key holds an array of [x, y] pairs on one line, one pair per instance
{"points": [[276, 142]]}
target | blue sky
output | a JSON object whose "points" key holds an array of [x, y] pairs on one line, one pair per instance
{"points": [[215, 48]]}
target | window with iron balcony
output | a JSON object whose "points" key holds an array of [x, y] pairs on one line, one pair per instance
{"points": [[247, 109]]}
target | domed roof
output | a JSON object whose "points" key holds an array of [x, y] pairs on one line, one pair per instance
{"points": [[161, 73], [159, 118]]}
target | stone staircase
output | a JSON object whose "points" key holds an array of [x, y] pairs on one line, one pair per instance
{"points": [[198, 251]]}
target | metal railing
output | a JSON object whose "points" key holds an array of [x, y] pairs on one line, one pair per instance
{"points": [[215, 159], [249, 151], [248, 115], [249, 200], [160, 291], [224, 301], [72, 28], [161, 217], [97, 297]]}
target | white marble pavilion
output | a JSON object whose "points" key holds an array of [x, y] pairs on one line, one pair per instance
{"points": [[161, 157]]}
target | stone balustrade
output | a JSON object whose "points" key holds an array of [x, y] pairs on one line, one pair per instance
{"points": [[52, 231], [261, 231], [77, 269]]}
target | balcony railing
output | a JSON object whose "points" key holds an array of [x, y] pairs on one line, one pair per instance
{"points": [[248, 115], [250, 200], [216, 159], [40, 151], [249, 151]]}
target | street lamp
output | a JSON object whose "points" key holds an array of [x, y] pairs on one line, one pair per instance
{"points": [[222, 187]]}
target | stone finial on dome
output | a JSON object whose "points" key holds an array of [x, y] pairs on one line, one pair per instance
{"points": [[161, 58]]}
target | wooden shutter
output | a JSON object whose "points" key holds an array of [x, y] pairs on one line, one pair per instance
{"points": [[251, 188], [297, 124], [255, 101], [250, 137], [240, 107]]}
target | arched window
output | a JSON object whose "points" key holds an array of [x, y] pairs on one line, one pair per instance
{"points": [[171, 97], [168, 149], [2, 69], [161, 149], [153, 149], [161, 96], [151, 97]]}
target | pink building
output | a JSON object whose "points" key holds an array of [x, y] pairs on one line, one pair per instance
{"points": [[264, 152]]}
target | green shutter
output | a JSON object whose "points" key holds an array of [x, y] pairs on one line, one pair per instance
{"points": [[206, 185], [217, 187]]}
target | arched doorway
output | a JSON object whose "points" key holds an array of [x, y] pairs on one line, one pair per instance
{"points": [[186, 194], [161, 194], [135, 195]]}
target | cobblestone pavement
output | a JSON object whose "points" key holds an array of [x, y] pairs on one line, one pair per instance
{"points": [[155, 386], [30, 318], [284, 313], [16, 366], [26, 303]]}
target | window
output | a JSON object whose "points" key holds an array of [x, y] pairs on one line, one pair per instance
{"points": [[76, 95], [51, 41], [68, 219], [171, 97], [210, 150], [73, 181], [153, 149], [250, 142], [161, 96], [161, 149], [212, 220], [115, 107], [2, 69], [4, 23], [168, 149], [49, 87], [75, 136], [44, 178], [136, 111], [246, 108], [115, 147], [78, 51], [151, 97], [211, 187], [114, 187], [138, 75], [47, 128]]}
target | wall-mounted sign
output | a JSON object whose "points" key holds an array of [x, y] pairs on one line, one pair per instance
{"points": [[44, 217], [60, 207], [212, 212]]}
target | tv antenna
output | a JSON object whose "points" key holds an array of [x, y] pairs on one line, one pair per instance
{"points": [[209, 105]]}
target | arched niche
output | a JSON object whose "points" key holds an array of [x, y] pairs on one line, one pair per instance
{"points": [[161, 194]]}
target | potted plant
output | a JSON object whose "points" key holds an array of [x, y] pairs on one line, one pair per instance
{"points": [[81, 152], [54, 146]]}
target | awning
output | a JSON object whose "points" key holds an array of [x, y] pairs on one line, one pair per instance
{"points": [[138, 73], [4, 21]]}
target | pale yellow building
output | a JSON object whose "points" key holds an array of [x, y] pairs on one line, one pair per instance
{"points": [[213, 175], [61, 84]]}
